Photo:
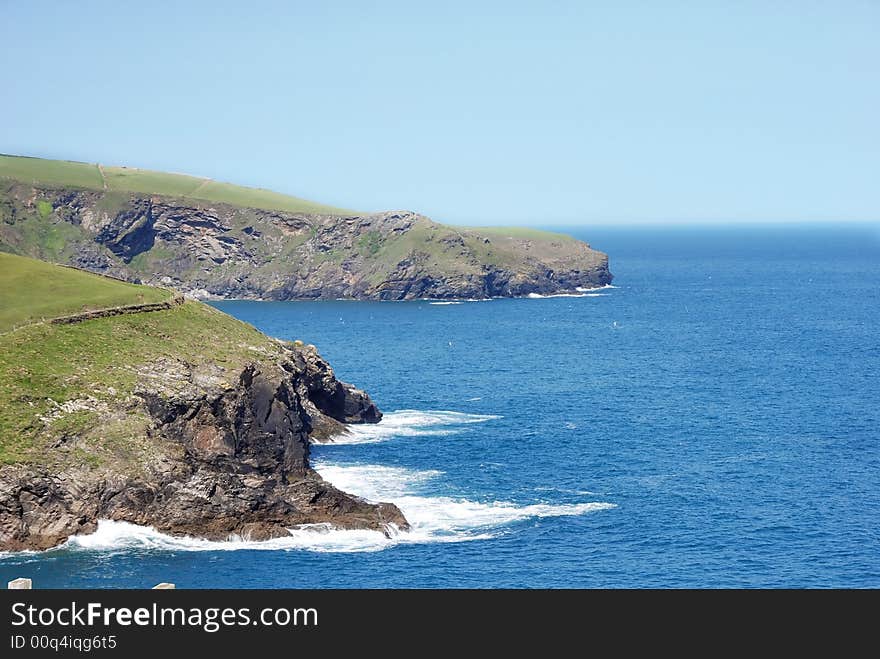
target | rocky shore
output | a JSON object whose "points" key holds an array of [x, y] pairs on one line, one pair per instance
{"points": [[217, 458]]}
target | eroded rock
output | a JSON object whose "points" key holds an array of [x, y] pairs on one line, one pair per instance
{"points": [[231, 458]]}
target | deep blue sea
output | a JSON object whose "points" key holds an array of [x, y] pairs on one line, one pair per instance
{"points": [[713, 420]]}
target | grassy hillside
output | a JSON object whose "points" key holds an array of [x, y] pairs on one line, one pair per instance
{"points": [[51, 172], [31, 290], [57, 380], [518, 233], [64, 173]]}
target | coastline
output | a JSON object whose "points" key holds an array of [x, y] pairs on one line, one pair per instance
{"points": [[581, 291]]}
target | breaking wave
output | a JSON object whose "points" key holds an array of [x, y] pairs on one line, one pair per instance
{"points": [[410, 423], [433, 517], [122, 536], [538, 296], [578, 292], [595, 288]]}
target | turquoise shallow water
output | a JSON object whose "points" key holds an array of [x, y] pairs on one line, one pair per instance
{"points": [[710, 421]]}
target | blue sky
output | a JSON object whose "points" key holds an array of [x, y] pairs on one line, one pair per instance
{"points": [[542, 113]]}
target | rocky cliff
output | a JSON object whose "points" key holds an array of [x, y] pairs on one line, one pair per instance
{"points": [[180, 418], [225, 460], [211, 249]]}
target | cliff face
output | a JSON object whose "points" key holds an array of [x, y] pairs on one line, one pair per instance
{"points": [[215, 456], [217, 250]]}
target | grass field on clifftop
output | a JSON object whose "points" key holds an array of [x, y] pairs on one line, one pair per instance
{"points": [[62, 381], [118, 182], [65, 173], [52, 172], [31, 290], [519, 233]]}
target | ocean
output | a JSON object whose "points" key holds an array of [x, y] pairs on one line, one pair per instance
{"points": [[710, 420]]}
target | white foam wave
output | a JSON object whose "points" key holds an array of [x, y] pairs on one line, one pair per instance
{"points": [[433, 300], [578, 292], [432, 518], [580, 289], [114, 536], [410, 423], [440, 518], [441, 304], [538, 296]]}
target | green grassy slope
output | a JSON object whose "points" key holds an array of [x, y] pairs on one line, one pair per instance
{"points": [[149, 182], [524, 233], [118, 180], [63, 173], [31, 290], [55, 378], [237, 195], [52, 172]]}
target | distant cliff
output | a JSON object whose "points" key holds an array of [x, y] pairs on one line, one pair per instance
{"points": [[212, 248]]}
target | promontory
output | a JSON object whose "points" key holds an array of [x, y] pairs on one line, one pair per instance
{"points": [[130, 403], [216, 240]]}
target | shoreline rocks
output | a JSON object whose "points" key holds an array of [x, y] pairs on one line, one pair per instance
{"points": [[225, 459]]}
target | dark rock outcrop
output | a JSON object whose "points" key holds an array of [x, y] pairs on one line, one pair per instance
{"points": [[225, 458]]}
